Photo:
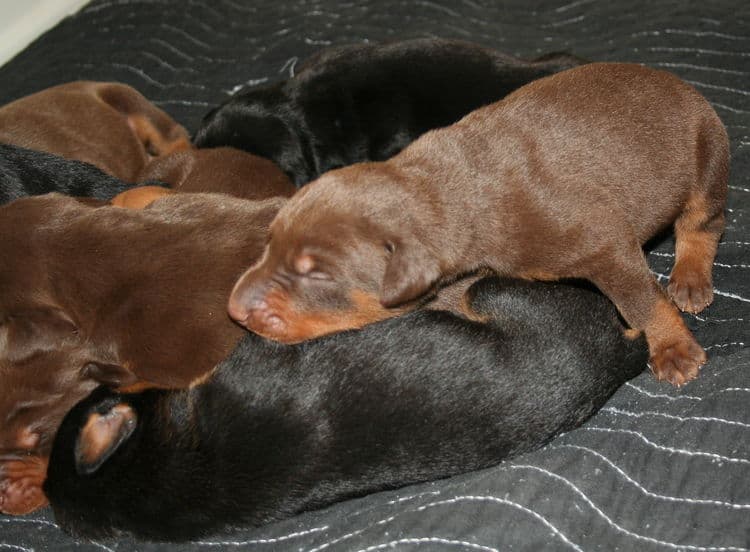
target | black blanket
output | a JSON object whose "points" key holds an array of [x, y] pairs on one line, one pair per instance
{"points": [[659, 468]]}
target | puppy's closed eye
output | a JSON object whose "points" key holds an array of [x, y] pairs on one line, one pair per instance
{"points": [[304, 264], [309, 267]]}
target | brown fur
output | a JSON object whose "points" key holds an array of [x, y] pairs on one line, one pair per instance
{"points": [[95, 295], [215, 170], [220, 170], [110, 125], [566, 178]]}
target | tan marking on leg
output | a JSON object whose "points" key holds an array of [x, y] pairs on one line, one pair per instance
{"points": [[626, 279], [697, 233]]}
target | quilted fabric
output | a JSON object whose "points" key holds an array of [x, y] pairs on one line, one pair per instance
{"points": [[659, 468]]}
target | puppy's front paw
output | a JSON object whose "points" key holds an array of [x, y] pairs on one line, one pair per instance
{"points": [[21, 487], [690, 291], [677, 361]]}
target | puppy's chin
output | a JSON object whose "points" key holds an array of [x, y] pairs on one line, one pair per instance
{"points": [[267, 324], [280, 337], [292, 327], [303, 326]]}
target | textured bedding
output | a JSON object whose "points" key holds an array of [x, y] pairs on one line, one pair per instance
{"points": [[658, 468]]}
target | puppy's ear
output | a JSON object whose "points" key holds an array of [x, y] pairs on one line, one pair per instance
{"points": [[111, 375], [157, 131], [158, 141], [33, 331], [102, 435], [410, 273]]}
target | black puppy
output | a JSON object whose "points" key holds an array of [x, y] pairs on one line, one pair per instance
{"points": [[367, 102], [25, 172], [281, 429]]}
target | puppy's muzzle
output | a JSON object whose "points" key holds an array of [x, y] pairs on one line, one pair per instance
{"points": [[250, 306]]}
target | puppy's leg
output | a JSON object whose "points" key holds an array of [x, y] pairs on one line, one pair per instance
{"points": [[625, 278], [697, 232], [701, 223]]}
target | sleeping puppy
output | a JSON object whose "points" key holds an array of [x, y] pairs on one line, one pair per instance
{"points": [[26, 172], [277, 429], [566, 178], [99, 295], [367, 102], [110, 125]]}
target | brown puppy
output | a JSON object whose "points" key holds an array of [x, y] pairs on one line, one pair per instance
{"points": [[92, 295], [216, 170], [220, 170], [567, 177], [110, 125]]}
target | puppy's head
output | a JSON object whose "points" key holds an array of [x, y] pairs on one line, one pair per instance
{"points": [[260, 122], [338, 257]]}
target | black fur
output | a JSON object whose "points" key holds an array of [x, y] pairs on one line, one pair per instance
{"points": [[282, 429], [25, 172], [367, 102]]}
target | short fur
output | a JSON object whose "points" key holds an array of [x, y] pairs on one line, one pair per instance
{"points": [[366, 102], [108, 124], [26, 172], [214, 170], [92, 295], [282, 429], [566, 178]]}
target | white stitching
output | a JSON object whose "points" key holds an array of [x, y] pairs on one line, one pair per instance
{"points": [[263, 541], [427, 540], [673, 450], [700, 501]]}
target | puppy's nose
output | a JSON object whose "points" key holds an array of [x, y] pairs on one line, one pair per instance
{"points": [[246, 295], [237, 309]]}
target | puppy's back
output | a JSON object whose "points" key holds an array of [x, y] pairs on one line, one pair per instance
{"points": [[25, 172]]}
